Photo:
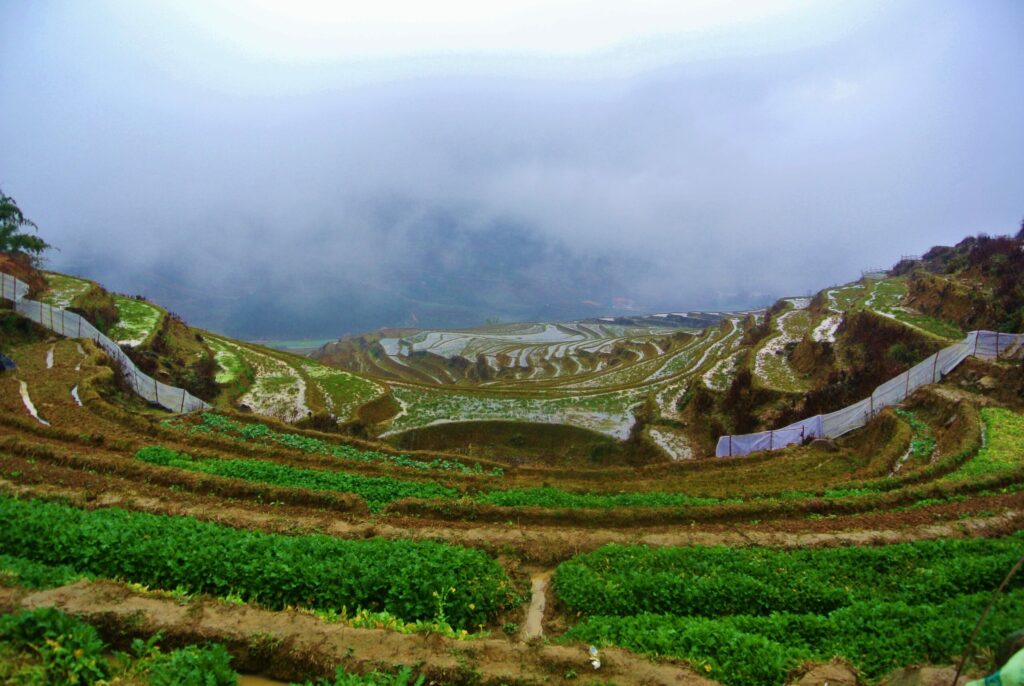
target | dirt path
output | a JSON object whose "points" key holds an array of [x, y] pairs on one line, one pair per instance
{"points": [[292, 645]]}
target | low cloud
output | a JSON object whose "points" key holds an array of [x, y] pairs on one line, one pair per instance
{"points": [[452, 198]]}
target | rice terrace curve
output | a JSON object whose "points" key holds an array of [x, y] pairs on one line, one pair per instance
{"points": [[516, 503]]}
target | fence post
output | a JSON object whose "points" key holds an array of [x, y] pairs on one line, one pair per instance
{"points": [[771, 440], [935, 367], [730, 445], [156, 391], [871, 398], [183, 393], [79, 327], [997, 344], [977, 334], [906, 393]]}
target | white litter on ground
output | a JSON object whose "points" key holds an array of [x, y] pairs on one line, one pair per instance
{"points": [[74, 394]]}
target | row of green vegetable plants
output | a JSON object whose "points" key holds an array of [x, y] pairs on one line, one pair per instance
{"points": [[411, 580], [1000, 455], [877, 637], [377, 491], [750, 616], [217, 424]]}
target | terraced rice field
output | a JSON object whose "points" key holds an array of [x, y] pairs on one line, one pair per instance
{"points": [[357, 551], [608, 413], [770, 363], [883, 296], [303, 552], [138, 321], [288, 387], [63, 289], [230, 362], [277, 390]]}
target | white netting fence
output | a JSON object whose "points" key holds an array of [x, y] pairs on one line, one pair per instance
{"points": [[74, 326], [984, 344]]}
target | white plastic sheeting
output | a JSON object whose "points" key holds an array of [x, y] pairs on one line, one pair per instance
{"points": [[983, 344], [74, 326]]}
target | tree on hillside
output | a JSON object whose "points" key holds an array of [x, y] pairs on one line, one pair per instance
{"points": [[12, 237]]}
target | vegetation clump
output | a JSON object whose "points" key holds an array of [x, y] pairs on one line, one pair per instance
{"points": [[46, 647]]}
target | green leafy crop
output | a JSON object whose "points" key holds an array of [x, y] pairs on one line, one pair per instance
{"points": [[274, 570], [215, 423], [70, 651], [748, 616], [377, 491]]}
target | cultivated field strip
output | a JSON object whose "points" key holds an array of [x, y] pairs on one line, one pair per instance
{"points": [[769, 361], [290, 388]]}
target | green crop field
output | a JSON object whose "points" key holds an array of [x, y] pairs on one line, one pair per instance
{"points": [[138, 320], [749, 616]]}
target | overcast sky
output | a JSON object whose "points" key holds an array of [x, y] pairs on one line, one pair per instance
{"points": [[311, 168]]}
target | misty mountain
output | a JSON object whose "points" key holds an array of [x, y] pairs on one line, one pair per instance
{"points": [[433, 271]]}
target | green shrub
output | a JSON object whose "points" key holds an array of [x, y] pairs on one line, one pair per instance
{"points": [[342, 678], [194, 666], [70, 650]]}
